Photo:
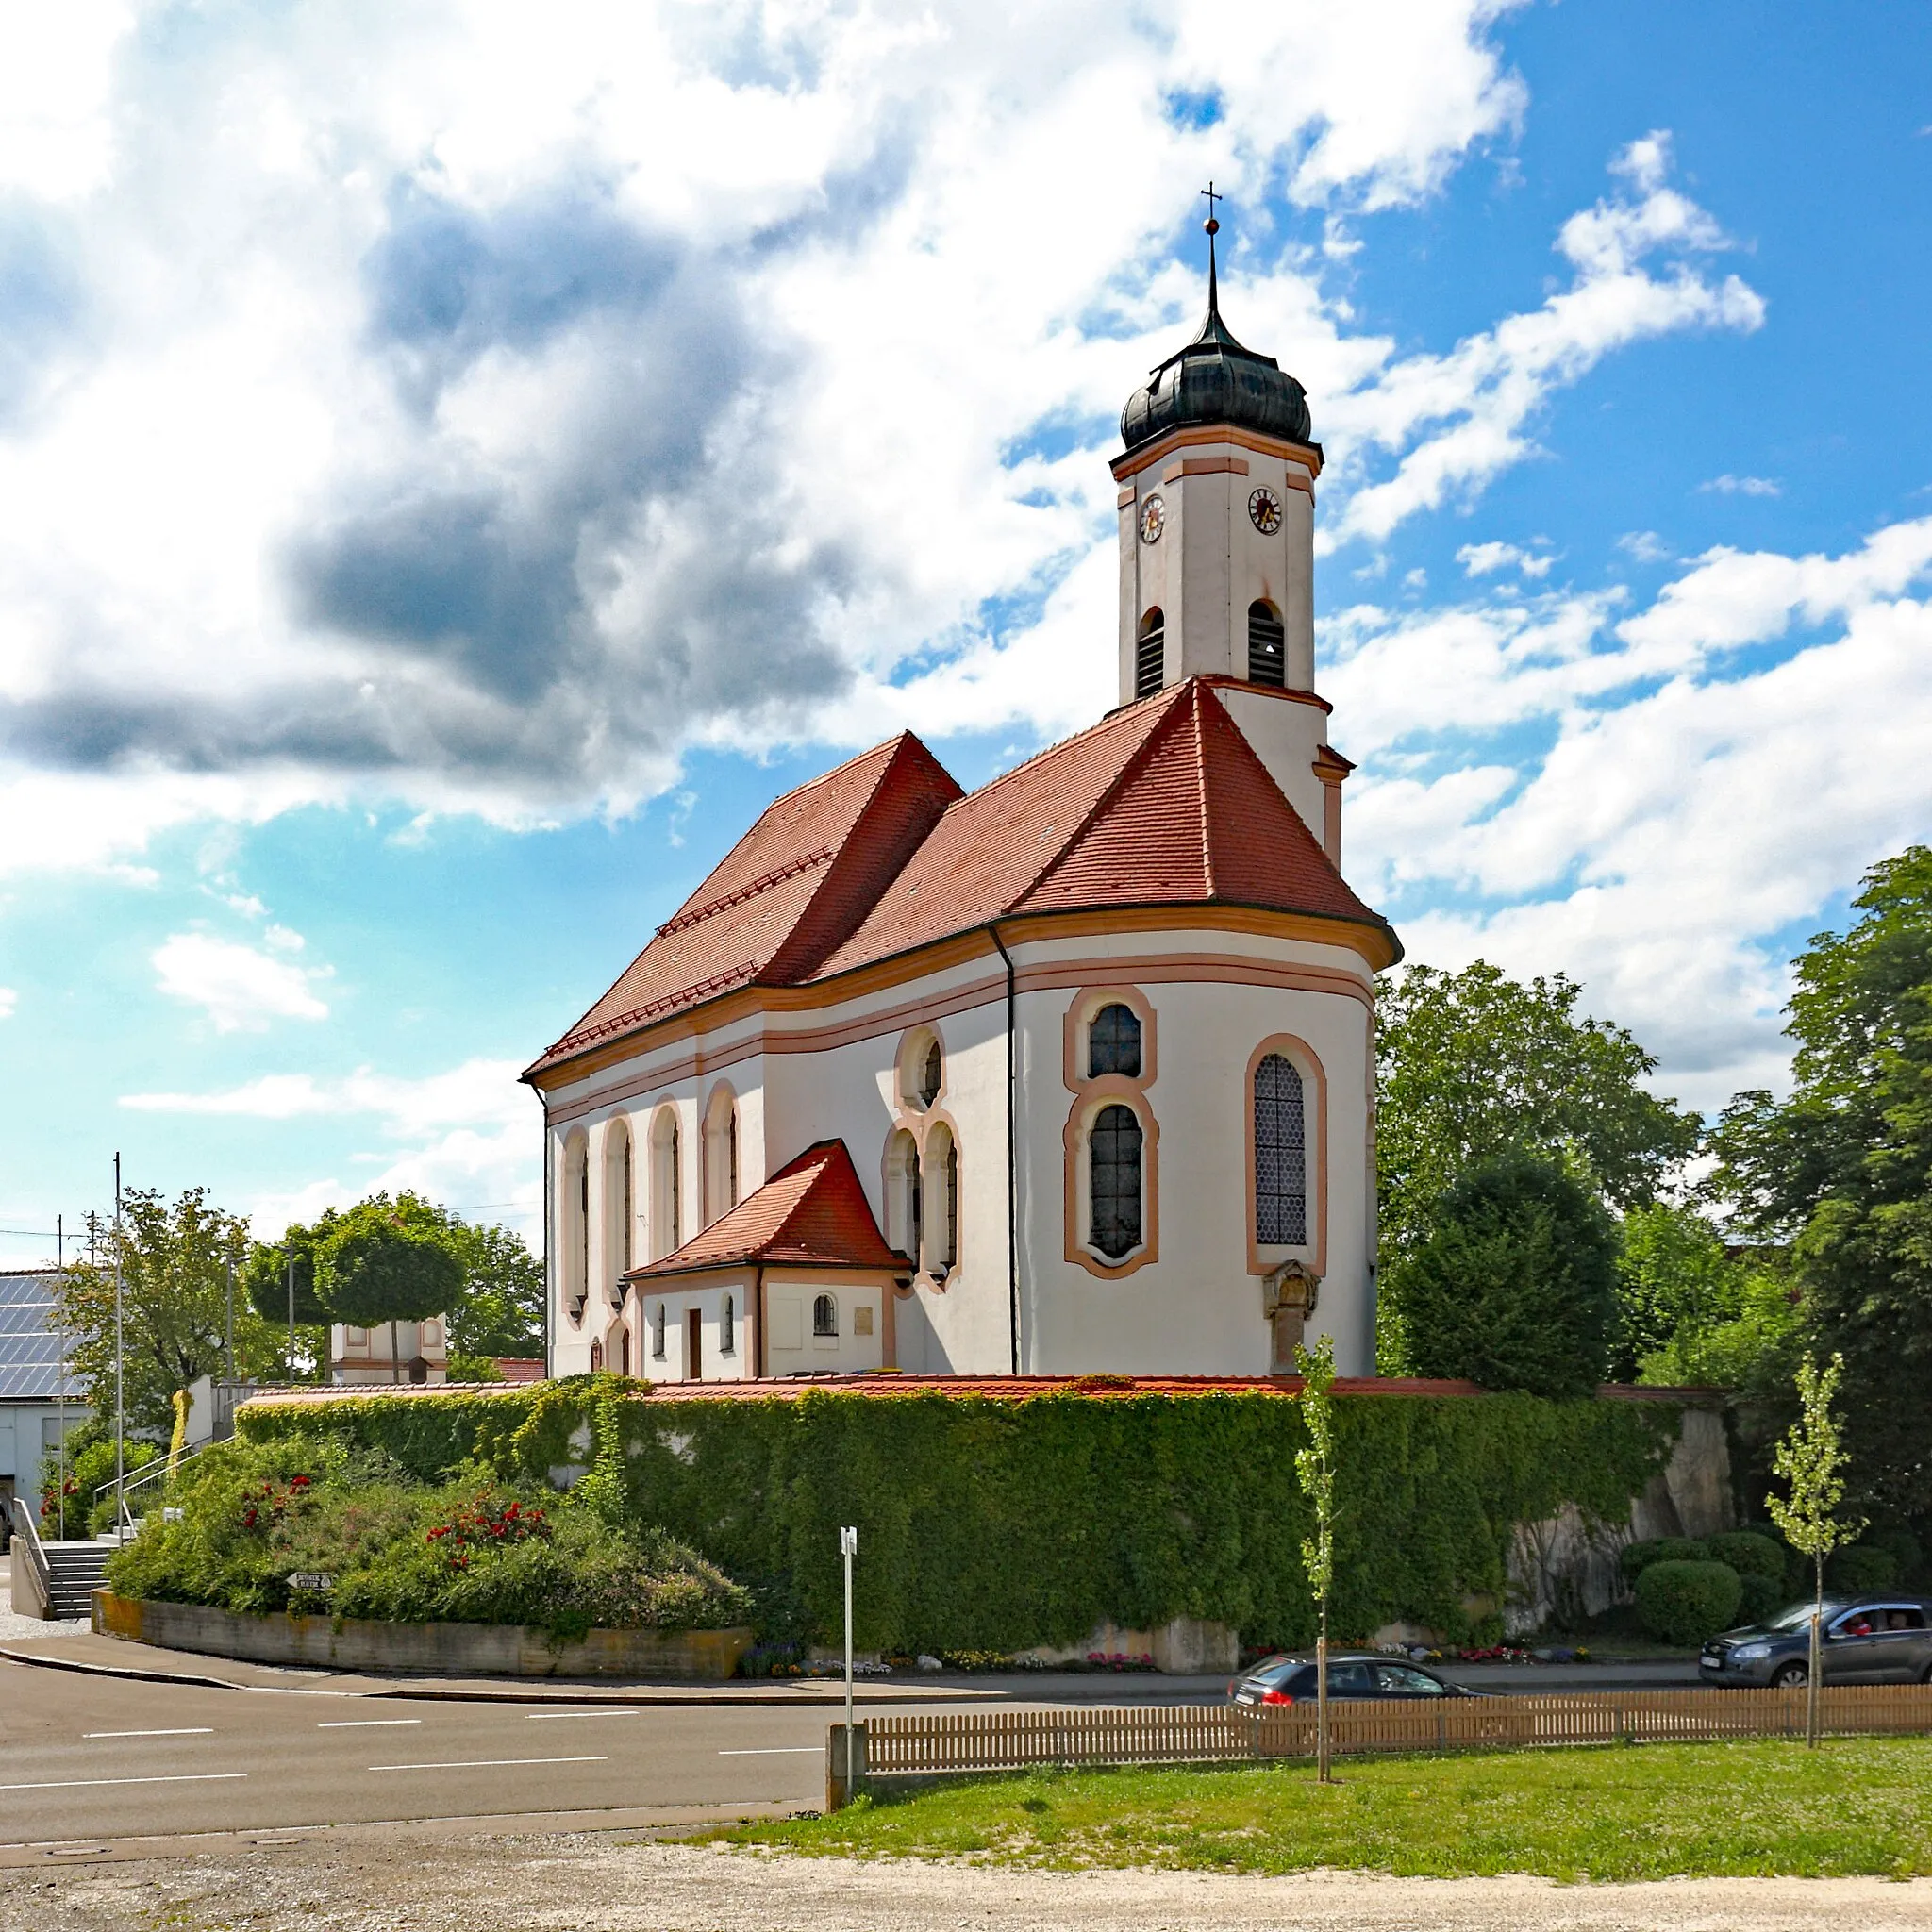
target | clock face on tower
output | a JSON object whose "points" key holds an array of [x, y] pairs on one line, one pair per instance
{"points": [[1152, 520], [1264, 511]]}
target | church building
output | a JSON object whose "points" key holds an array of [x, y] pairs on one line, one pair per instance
{"points": [[1071, 1074]]}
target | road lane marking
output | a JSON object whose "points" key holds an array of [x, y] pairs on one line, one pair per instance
{"points": [[363, 1723], [180, 1778], [186, 1731], [478, 1764], [774, 1751], [544, 1717]]}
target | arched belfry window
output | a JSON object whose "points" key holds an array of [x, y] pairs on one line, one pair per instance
{"points": [[1113, 1043], [1281, 1155], [1114, 1152], [1150, 654], [1266, 644]]}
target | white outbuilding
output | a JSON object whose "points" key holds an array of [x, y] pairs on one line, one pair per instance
{"points": [[1071, 1074]]}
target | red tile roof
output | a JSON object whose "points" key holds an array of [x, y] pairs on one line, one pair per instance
{"points": [[812, 1214], [798, 883], [1162, 804]]}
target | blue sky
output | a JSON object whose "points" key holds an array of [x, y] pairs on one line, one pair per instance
{"points": [[455, 467]]}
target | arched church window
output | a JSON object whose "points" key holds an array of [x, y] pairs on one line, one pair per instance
{"points": [[1281, 1162], [903, 1203], [1267, 644], [658, 1332], [941, 1169], [1150, 654], [577, 1222], [1115, 1180], [727, 1327], [929, 1074], [1113, 1043], [825, 1316], [667, 1234], [617, 1208], [721, 1155]]}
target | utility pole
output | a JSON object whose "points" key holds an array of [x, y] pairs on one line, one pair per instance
{"points": [[848, 1548], [231, 1317], [120, 1364], [60, 1382], [292, 1311]]}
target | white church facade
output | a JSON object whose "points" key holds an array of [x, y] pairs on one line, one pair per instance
{"points": [[1072, 1074]]}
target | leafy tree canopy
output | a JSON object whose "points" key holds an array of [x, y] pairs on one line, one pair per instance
{"points": [[174, 1266], [388, 1260], [1472, 1063], [1844, 1166], [266, 1275], [1514, 1283]]}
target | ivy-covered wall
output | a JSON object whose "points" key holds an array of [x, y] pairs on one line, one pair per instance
{"points": [[994, 1524]]}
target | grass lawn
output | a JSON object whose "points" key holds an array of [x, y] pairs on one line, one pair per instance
{"points": [[1856, 1805]]}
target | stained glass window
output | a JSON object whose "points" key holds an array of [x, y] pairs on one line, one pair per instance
{"points": [[1281, 1162], [1115, 1152]]}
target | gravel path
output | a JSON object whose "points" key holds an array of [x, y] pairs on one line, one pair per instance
{"points": [[406, 1876], [25, 1629]]}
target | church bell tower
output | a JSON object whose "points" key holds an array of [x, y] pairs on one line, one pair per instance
{"points": [[1217, 550]]}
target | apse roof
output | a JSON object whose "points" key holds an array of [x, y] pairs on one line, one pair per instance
{"points": [[813, 1213]]}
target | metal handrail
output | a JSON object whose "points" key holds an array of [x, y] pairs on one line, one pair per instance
{"points": [[150, 1472], [29, 1538]]}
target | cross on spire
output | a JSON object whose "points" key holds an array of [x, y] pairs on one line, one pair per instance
{"points": [[1212, 225]]}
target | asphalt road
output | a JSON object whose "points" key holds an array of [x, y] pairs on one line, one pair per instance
{"points": [[84, 1757]]}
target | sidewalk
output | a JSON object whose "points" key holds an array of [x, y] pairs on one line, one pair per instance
{"points": [[64, 1647]]}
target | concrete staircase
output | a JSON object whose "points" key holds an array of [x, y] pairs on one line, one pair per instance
{"points": [[74, 1570]]}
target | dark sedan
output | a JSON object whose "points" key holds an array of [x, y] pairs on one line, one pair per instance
{"points": [[1883, 1639], [1350, 1675]]}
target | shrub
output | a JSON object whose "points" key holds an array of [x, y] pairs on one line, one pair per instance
{"points": [[474, 1549], [1860, 1568], [1635, 1558], [1515, 1285], [1906, 1551], [1762, 1597], [1750, 1553], [1686, 1602]]}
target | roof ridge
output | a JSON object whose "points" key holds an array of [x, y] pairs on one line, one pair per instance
{"points": [[858, 758], [1198, 718]]}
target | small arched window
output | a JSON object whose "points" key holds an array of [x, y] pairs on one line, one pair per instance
{"points": [[1150, 654], [658, 1331], [825, 1316], [929, 1074], [1115, 1180], [1113, 1043], [1281, 1157], [624, 1350], [1266, 644], [727, 1327]]}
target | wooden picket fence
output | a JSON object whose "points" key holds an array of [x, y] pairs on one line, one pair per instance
{"points": [[1213, 1734]]}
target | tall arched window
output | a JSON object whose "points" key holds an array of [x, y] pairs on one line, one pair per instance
{"points": [[667, 1236], [1115, 1154], [1150, 654], [617, 1208], [721, 1155], [904, 1206], [939, 1192], [727, 1327], [1266, 644], [1281, 1157], [1113, 1043], [577, 1222], [825, 1316]]}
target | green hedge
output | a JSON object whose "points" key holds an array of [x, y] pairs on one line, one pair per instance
{"points": [[987, 1523], [1686, 1601]]}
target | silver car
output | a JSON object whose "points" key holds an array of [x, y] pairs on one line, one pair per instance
{"points": [[1877, 1639]]}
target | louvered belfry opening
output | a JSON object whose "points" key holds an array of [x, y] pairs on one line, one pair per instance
{"points": [[1266, 640], [1150, 654]]}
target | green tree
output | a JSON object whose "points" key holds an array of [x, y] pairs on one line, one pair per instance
{"points": [[1843, 1171], [175, 1264], [1514, 1283], [501, 1312], [387, 1261], [1314, 1469], [1811, 1461], [265, 1277], [1471, 1063]]}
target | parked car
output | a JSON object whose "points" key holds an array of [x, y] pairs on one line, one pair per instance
{"points": [[1880, 1639], [1352, 1673]]}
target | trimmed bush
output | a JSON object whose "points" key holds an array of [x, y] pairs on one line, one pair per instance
{"points": [[1635, 1558], [1760, 1596], [1750, 1553], [1686, 1602], [1860, 1569], [987, 1523]]}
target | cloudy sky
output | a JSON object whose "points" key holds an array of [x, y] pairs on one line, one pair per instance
{"points": [[457, 461]]}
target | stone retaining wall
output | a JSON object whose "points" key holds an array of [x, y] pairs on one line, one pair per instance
{"points": [[454, 1650]]}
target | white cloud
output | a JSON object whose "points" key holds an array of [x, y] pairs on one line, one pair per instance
{"points": [[1704, 787], [9, 999], [1644, 546], [480, 1092], [1482, 560], [240, 989], [1744, 486]]}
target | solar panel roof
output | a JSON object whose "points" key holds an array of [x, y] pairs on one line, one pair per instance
{"points": [[30, 1349]]}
